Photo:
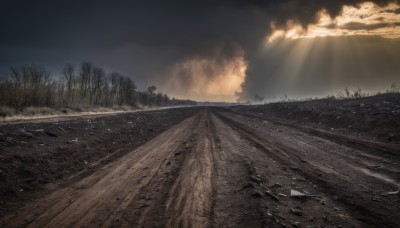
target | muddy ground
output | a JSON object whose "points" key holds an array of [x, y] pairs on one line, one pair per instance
{"points": [[47, 153], [208, 167]]}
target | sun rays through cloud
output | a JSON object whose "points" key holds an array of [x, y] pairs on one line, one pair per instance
{"points": [[365, 19]]}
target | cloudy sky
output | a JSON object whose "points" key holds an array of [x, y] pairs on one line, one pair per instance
{"points": [[213, 50]]}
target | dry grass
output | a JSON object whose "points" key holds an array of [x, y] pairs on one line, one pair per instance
{"points": [[9, 114], [33, 111], [6, 111]]}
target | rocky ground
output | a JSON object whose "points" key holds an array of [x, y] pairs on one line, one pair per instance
{"points": [[245, 166]]}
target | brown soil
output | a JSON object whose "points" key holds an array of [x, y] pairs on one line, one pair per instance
{"points": [[215, 167]]}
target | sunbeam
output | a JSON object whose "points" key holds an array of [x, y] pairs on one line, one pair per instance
{"points": [[366, 19]]}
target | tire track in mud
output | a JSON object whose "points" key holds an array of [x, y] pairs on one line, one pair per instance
{"points": [[357, 203], [266, 185], [369, 162], [112, 195], [189, 204], [373, 148], [233, 205]]}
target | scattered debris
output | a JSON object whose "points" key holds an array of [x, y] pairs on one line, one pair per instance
{"points": [[297, 194], [297, 211], [26, 134], [362, 186], [376, 199], [276, 185], [62, 129], [302, 160], [73, 140], [393, 193], [255, 179], [272, 195], [390, 193], [296, 224], [51, 134]]}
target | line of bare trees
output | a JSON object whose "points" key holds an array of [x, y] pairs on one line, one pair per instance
{"points": [[87, 86]]}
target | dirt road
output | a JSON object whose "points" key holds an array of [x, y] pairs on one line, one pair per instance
{"points": [[219, 168]]}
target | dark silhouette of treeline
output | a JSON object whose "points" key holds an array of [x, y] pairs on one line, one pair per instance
{"points": [[85, 86]]}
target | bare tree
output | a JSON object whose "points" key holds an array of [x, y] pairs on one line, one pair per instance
{"points": [[151, 89], [97, 83], [68, 72], [85, 78]]}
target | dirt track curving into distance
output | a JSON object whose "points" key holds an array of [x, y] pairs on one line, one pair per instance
{"points": [[219, 168]]}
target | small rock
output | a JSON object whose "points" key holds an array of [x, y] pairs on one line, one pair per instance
{"points": [[272, 195], [257, 194], [282, 195], [297, 194], [393, 193], [276, 185], [26, 134], [376, 199], [51, 134], [255, 179], [296, 224], [297, 211]]}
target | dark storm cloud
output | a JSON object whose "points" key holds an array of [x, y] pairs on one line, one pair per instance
{"points": [[323, 66], [142, 38], [364, 26]]}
